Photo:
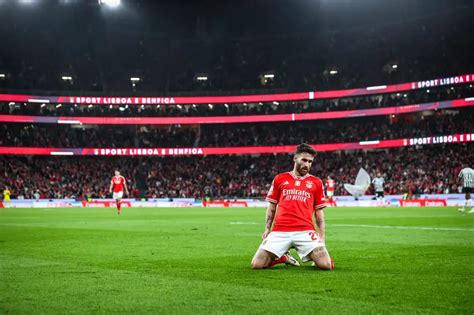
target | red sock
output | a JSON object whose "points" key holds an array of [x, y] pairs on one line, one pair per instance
{"points": [[280, 260], [118, 207]]}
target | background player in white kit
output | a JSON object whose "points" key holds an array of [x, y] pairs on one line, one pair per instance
{"points": [[467, 176], [299, 196], [117, 185], [378, 183]]}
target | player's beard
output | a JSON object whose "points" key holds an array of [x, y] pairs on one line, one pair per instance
{"points": [[302, 170]]}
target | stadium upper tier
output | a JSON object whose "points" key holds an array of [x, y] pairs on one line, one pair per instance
{"points": [[278, 137]]}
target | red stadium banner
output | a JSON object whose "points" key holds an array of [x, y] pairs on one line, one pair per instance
{"points": [[173, 100], [393, 110], [361, 145], [423, 203]]}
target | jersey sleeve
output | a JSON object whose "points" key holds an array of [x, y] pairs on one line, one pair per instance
{"points": [[319, 198], [274, 193]]}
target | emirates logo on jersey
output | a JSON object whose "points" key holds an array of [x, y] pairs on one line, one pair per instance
{"points": [[309, 185], [297, 183]]}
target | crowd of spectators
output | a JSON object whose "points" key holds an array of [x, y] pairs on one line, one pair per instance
{"points": [[220, 135], [414, 170]]}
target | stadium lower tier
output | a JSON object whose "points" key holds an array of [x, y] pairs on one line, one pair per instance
{"points": [[429, 169]]}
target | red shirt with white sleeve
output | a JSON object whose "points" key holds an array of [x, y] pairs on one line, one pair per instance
{"points": [[117, 183], [297, 198]]}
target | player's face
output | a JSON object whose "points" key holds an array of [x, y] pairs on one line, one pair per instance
{"points": [[303, 162], [117, 173]]}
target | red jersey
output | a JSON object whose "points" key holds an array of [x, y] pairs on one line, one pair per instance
{"points": [[118, 182], [297, 198], [330, 184]]}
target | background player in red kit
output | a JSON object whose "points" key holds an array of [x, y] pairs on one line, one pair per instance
{"points": [[298, 196], [330, 183], [117, 185]]}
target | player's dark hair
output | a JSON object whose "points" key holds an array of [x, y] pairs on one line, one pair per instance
{"points": [[305, 148]]}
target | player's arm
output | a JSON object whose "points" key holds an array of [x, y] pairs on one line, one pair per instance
{"points": [[270, 216], [111, 186], [319, 218], [125, 186]]}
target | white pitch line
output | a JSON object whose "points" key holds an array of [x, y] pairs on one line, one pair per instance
{"points": [[403, 227], [241, 223]]}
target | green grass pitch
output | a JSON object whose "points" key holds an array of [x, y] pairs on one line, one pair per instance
{"points": [[197, 260]]}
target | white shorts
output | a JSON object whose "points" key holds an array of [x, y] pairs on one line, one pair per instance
{"points": [[304, 242], [329, 193], [117, 195]]}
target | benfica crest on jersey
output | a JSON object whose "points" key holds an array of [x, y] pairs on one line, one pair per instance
{"points": [[297, 183], [309, 184]]}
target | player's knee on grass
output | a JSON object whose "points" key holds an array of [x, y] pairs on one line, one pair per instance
{"points": [[261, 260], [321, 259]]}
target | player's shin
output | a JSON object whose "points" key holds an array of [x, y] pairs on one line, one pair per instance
{"points": [[280, 260]]}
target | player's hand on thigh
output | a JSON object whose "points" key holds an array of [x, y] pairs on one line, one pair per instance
{"points": [[321, 258]]}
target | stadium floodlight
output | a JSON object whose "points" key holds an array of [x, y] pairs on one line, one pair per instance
{"points": [[66, 78], [3, 75], [135, 79], [333, 72], [269, 76], [110, 3], [394, 66], [201, 78]]}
